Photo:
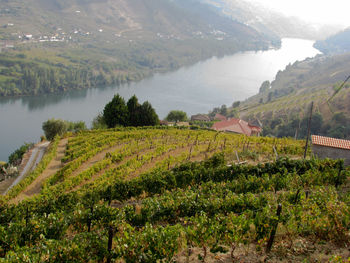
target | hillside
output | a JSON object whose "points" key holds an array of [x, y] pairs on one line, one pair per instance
{"points": [[269, 22], [163, 194], [335, 44], [56, 45], [291, 93]]}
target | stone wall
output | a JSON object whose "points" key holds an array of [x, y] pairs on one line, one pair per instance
{"points": [[332, 153]]}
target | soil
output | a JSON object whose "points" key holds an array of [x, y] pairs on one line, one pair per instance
{"points": [[56, 164]]}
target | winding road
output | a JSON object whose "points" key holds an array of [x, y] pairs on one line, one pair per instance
{"points": [[37, 154]]}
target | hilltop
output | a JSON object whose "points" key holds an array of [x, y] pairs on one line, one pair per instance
{"points": [[56, 45]]}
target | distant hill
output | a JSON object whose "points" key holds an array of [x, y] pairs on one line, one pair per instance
{"points": [[338, 43], [60, 45], [270, 22], [110, 17], [291, 93]]}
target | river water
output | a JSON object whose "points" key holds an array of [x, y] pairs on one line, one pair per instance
{"points": [[193, 89]]}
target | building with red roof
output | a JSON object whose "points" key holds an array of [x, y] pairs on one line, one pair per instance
{"points": [[219, 117], [326, 147], [237, 126]]}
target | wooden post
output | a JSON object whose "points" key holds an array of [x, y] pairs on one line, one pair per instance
{"points": [[337, 182], [110, 243], [89, 218], [274, 228], [237, 157], [190, 153], [275, 151], [27, 216], [296, 196], [308, 130], [110, 195]]}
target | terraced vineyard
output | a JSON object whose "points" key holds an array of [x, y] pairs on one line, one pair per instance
{"points": [[150, 195]]}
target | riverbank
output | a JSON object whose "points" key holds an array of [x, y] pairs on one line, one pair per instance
{"points": [[193, 89]]}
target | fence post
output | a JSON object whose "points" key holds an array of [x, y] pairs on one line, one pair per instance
{"points": [[89, 218], [274, 228], [276, 154], [296, 196], [308, 130], [110, 243]]}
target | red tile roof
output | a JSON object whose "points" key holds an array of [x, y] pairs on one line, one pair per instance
{"points": [[237, 126], [330, 142], [220, 117]]}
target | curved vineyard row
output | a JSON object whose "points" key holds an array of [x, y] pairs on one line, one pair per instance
{"points": [[176, 210]]}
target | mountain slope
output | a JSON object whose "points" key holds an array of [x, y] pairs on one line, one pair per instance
{"points": [[58, 45], [289, 98], [338, 43], [270, 22]]}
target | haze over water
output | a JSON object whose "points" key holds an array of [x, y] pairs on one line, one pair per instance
{"points": [[195, 89]]}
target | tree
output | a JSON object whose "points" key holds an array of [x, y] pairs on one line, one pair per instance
{"points": [[265, 86], [99, 122], [54, 127], [76, 126], [270, 96], [134, 109], [116, 112], [148, 116], [176, 115], [236, 104], [223, 110]]}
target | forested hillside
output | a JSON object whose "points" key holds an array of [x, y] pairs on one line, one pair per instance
{"points": [[339, 43], [284, 106], [55, 45]]}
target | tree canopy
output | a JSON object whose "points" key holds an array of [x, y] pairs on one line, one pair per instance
{"points": [[53, 127], [176, 115], [117, 112]]}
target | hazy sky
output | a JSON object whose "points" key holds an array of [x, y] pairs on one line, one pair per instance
{"points": [[319, 11]]}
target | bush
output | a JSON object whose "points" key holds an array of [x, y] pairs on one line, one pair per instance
{"points": [[59, 127], [54, 127], [16, 157]]}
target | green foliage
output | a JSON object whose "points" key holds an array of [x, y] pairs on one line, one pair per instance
{"points": [[16, 157], [134, 109], [176, 116], [265, 86], [116, 112], [175, 206], [149, 116], [132, 114], [236, 104], [53, 127], [57, 127], [99, 123]]}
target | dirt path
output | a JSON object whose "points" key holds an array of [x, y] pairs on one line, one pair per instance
{"points": [[35, 157], [51, 169]]}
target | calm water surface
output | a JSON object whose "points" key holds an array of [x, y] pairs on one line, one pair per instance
{"points": [[194, 89]]}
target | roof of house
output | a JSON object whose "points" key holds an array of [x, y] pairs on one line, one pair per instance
{"points": [[330, 142], [237, 126], [220, 117], [200, 117]]}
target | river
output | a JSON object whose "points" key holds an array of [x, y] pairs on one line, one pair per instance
{"points": [[193, 89]]}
